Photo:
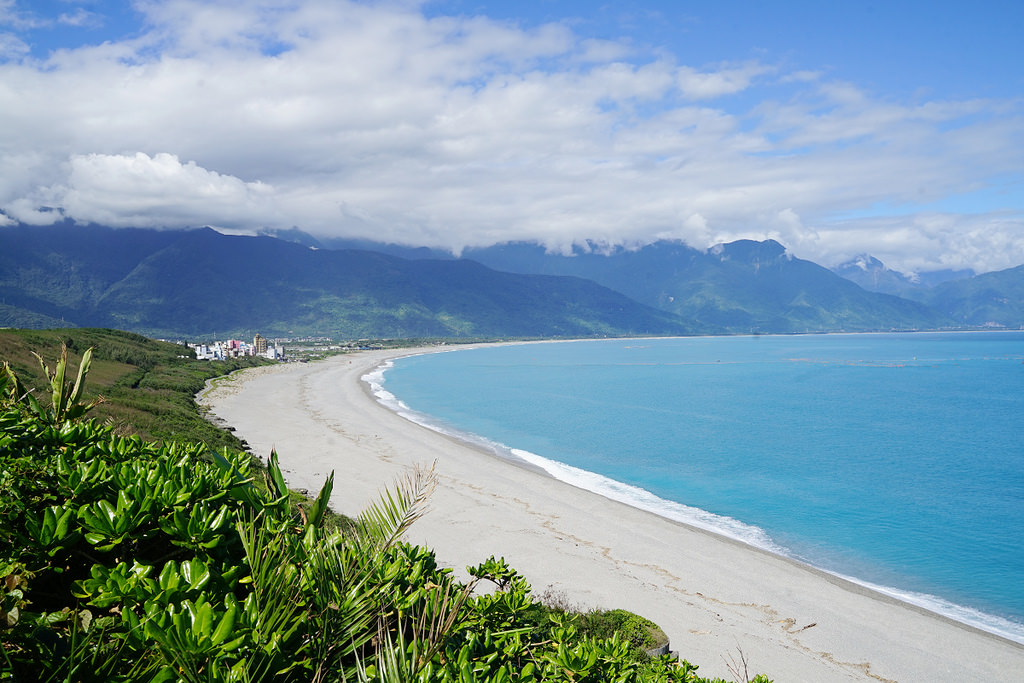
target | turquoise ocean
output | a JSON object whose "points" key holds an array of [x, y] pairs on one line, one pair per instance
{"points": [[894, 460]]}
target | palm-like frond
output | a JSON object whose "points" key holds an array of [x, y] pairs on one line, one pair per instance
{"points": [[440, 614], [343, 612], [382, 524], [279, 610], [396, 662]]}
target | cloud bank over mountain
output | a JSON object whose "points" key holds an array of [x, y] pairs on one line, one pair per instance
{"points": [[384, 120]]}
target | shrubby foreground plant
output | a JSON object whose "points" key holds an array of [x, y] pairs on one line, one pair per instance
{"points": [[128, 560]]}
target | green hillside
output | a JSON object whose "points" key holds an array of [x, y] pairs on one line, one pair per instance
{"points": [[201, 283], [13, 316], [988, 300], [741, 287], [148, 386]]}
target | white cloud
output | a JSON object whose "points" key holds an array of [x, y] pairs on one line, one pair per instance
{"points": [[12, 47], [601, 51], [925, 241], [373, 120], [14, 17], [725, 80], [146, 191], [81, 17]]}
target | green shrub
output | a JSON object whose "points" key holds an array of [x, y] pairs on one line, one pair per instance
{"points": [[642, 634]]}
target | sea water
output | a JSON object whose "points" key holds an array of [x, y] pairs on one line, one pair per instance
{"points": [[895, 460]]}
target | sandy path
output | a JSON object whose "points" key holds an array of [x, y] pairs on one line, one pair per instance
{"points": [[712, 596]]}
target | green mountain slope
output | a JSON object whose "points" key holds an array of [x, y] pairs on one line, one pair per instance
{"points": [[988, 300], [60, 271], [201, 283], [14, 316], [744, 286]]}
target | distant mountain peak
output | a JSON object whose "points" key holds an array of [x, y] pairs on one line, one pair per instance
{"points": [[868, 272], [871, 274], [292, 235], [750, 251], [866, 262]]}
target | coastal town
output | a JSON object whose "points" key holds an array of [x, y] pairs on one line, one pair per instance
{"points": [[298, 348], [235, 348]]}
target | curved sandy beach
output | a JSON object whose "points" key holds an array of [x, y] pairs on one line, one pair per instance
{"points": [[713, 596]]}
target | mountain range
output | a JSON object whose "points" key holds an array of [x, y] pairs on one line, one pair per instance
{"points": [[740, 287], [988, 300], [874, 276], [201, 283]]}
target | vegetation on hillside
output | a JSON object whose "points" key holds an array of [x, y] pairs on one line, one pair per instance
{"points": [[148, 387], [987, 300], [123, 559]]}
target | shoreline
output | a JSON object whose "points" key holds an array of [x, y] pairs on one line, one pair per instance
{"points": [[713, 595], [485, 447], [663, 508]]}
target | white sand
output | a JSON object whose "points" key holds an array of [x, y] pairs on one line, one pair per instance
{"points": [[714, 597]]}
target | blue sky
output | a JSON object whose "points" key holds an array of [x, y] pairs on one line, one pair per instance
{"points": [[956, 48], [889, 128]]}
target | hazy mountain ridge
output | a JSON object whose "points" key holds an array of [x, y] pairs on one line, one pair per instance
{"points": [[873, 275], [757, 286], [200, 282], [993, 299], [987, 300], [744, 286]]}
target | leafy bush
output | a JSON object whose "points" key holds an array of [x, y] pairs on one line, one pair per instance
{"points": [[642, 634]]}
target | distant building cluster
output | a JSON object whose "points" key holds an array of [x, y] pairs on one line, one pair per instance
{"points": [[234, 348]]}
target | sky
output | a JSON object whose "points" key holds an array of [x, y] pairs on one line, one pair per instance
{"points": [[894, 129]]}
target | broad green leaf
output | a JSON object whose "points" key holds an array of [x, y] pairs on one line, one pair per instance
{"points": [[108, 510], [319, 506], [169, 578], [226, 625], [195, 572], [202, 621], [219, 518], [166, 674], [278, 486], [63, 522], [95, 539]]}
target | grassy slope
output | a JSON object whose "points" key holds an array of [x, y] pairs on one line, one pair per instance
{"points": [[148, 386]]}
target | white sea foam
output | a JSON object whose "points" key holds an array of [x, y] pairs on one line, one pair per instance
{"points": [[990, 623], [642, 499]]}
